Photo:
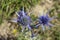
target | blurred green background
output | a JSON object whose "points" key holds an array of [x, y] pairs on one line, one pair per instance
{"points": [[8, 9]]}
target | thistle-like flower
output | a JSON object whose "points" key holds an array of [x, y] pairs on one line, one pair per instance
{"points": [[23, 19], [44, 20]]}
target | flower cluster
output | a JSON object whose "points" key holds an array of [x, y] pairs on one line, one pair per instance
{"points": [[25, 21]]}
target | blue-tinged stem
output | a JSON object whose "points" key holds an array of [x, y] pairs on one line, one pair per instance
{"points": [[52, 18], [17, 14], [43, 28], [23, 28], [29, 27], [49, 24], [37, 25], [14, 20]]}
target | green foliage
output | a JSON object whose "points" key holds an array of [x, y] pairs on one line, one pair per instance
{"points": [[0, 20], [59, 15], [9, 7], [33, 17], [21, 37], [57, 7]]}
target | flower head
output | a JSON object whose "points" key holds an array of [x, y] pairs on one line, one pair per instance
{"points": [[24, 19], [44, 20]]}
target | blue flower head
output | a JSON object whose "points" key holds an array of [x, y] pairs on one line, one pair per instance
{"points": [[44, 20], [23, 19]]}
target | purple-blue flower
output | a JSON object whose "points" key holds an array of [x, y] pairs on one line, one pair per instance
{"points": [[23, 19], [44, 20]]}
